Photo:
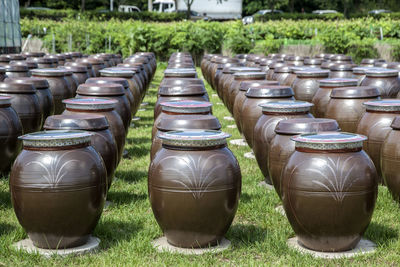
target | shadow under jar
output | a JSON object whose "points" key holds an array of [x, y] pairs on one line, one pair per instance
{"points": [[329, 190], [264, 130], [194, 187], [59, 86], [25, 102], [386, 80], [375, 124], [323, 93], [306, 83], [104, 107], [282, 146], [58, 188], [102, 139], [252, 111], [346, 105]]}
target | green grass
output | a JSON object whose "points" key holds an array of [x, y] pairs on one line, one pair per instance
{"points": [[258, 233]]}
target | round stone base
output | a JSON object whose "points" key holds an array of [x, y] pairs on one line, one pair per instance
{"points": [[364, 247], [232, 126], [280, 210], [136, 118], [162, 245], [26, 245], [238, 142], [265, 185], [249, 155], [228, 118]]}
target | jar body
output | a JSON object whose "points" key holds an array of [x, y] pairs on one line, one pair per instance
{"points": [[389, 87], [58, 195], [46, 102], [195, 201], [320, 101], [390, 160], [305, 88], [329, 198], [80, 77]]}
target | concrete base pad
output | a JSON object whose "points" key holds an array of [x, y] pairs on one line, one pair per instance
{"points": [[280, 210], [364, 247], [162, 245], [249, 155], [232, 126], [26, 245], [238, 142], [229, 118], [267, 186], [136, 119]]}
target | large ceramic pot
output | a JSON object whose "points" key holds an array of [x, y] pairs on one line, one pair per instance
{"points": [[71, 80], [4, 60], [220, 73], [252, 111], [140, 76], [43, 92], [58, 84], [195, 201], [323, 94], [306, 83], [359, 73], [58, 188], [386, 80], [369, 62], [341, 71], [79, 72], [219, 66], [42, 62], [57, 59], [281, 146], [375, 124], [346, 105], [89, 68], [272, 67], [16, 71], [295, 60], [102, 139], [25, 102], [264, 130], [312, 62], [329, 190], [291, 77], [99, 106], [181, 82], [109, 91], [342, 59], [281, 74], [97, 64]]}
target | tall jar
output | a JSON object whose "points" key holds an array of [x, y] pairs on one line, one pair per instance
{"points": [[375, 124], [195, 201], [386, 80], [346, 105], [306, 83], [329, 190], [323, 94], [58, 188], [264, 130], [282, 146]]}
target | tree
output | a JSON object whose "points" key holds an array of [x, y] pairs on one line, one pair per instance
{"points": [[83, 2], [189, 6]]}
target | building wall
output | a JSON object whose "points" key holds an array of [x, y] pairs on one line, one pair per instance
{"points": [[10, 31]]}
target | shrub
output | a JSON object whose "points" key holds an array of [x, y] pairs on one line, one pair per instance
{"points": [[359, 49]]}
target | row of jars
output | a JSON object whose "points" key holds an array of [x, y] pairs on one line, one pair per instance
{"points": [[316, 170], [194, 179], [60, 179]]}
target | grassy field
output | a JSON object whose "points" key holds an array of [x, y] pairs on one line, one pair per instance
{"points": [[258, 233]]}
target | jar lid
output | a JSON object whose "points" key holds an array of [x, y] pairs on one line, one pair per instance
{"points": [[75, 68], [74, 54], [361, 70], [96, 89], [249, 75], [272, 91], [328, 56], [180, 122], [312, 61], [39, 83], [80, 64], [186, 106], [277, 65], [194, 138], [284, 69], [93, 61], [381, 72], [355, 92], [40, 60], [181, 82], [267, 61], [5, 100], [338, 82], [226, 60], [50, 72], [371, 60], [289, 106], [17, 88], [342, 67], [117, 73], [189, 72], [385, 105], [4, 58], [296, 58], [182, 90], [12, 67], [244, 69], [89, 103], [327, 64], [381, 64], [34, 54], [329, 140], [16, 56], [2, 70], [106, 80], [245, 85], [306, 125], [312, 72], [79, 121], [56, 138], [393, 65], [341, 58]]}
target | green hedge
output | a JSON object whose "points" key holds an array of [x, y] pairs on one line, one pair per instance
{"points": [[298, 16]]}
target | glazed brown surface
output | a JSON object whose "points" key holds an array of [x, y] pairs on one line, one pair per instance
{"points": [[389, 87], [390, 159]]}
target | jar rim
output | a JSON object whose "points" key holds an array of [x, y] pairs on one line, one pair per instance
{"points": [[194, 138], [56, 138], [329, 140]]}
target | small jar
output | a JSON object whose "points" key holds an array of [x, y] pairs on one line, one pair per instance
{"points": [[306, 83], [329, 190], [194, 187], [16, 71], [97, 64], [58, 188], [341, 71], [386, 80], [323, 94], [272, 113], [375, 124], [346, 105]]}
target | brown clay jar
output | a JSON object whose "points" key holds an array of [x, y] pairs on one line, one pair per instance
{"points": [[72, 81], [33, 54], [180, 73], [252, 111], [341, 71], [42, 62], [97, 64], [306, 83], [342, 59], [58, 188], [4, 60], [282, 146], [386, 80], [10, 130], [281, 74], [101, 139], [329, 190], [16, 71], [359, 73], [346, 105], [370, 62], [109, 91], [312, 62], [57, 59], [25, 102], [271, 69], [375, 124], [89, 68], [323, 93], [58, 84], [272, 113], [31, 65], [104, 107], [291, 77], [219, 66], [2, 74], [140, 76], [195, 201], [79, 73], [219, 73], [295, 60]]}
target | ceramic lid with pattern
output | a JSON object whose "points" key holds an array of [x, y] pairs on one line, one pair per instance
{"points": [[56, 138], [306, 125], [384, 105], [289, 106], [186, 106], [329, 140], [194, 138], [90, 103]]}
